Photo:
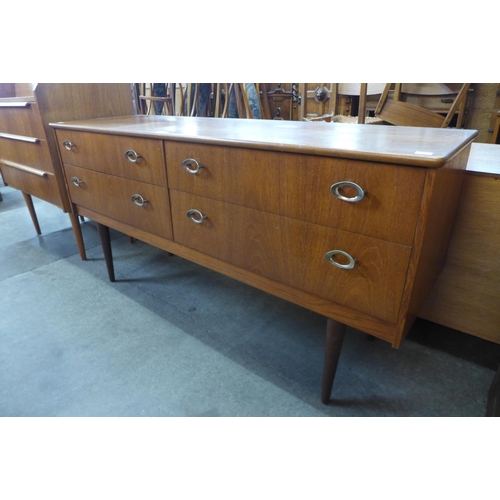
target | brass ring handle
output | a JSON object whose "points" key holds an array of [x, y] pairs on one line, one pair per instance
{"points": [[76, 181], [329, 258], [196, 216], [68, 145], [132, 156], [335, 189], [189, 163], [139, 200]]}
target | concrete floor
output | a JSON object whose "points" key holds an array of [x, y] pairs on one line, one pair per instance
{"points": [[170, 338]]}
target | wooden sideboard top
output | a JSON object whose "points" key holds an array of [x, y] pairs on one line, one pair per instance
{"points": [[413, 146], [484, 159]]}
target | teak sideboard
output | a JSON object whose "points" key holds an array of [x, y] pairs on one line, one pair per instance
{"points": [[349, 221]]}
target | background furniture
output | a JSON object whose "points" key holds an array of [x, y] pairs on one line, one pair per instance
{"points": [[495, 136], [283, 206], [466, 296], [324, 101], [401, 111], [29, 159]]}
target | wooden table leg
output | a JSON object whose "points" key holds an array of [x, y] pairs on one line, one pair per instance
{"points": [[31, 209], [106, 248], [77, 230], [335, 333], [493, 405]]}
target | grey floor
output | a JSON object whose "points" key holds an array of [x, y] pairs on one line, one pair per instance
{"points": [[170, 338]]}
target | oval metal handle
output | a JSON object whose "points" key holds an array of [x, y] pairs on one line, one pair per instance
{"points": [[329, 258], [196, 216], [335, 189], [132, 156], [188, 163], [139, 200], [68, 145], [76, 181]]}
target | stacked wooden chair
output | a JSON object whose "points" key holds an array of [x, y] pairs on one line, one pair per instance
{"points": [[449, 104]]}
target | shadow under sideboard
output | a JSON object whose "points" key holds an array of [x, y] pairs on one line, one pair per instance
{"points": [[466, 296]]}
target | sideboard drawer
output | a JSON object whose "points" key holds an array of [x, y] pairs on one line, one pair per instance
{"points": [[141, 205], [235, 175], [374, 199], [294, 253], [129, 157], [300, 186]]}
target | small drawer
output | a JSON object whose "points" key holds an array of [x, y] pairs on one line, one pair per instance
{"points": [[235, 175], [295, 253], [23, 119], [141, 205], [129, 157], [377, 200]]}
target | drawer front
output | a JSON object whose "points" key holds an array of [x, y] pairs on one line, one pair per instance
{"points": [[293, 252], [113, 196], [235, 175], [45, 188], [374, 199], [300, 187], [23, 121], [34, 155], [107, 154]]}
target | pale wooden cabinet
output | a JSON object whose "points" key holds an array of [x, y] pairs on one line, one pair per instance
{"points": [[349, 221]]}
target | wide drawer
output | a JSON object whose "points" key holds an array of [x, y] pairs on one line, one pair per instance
{"points": [[19, 119], [133, 158], [135, 203], [300, 186], [294, 253], [30, 154], [34, 183]]}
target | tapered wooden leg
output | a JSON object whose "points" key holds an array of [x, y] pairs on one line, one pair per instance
{"points": [[77, 230], [335, 333], [106, 248], [493, 405], [31, 209]]}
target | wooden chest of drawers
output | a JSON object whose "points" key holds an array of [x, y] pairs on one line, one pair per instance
{"points": [[29, 159], [25, 159], [350, 221]]}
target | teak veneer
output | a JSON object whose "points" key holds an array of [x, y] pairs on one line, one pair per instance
{"points": [[349, 221]]}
